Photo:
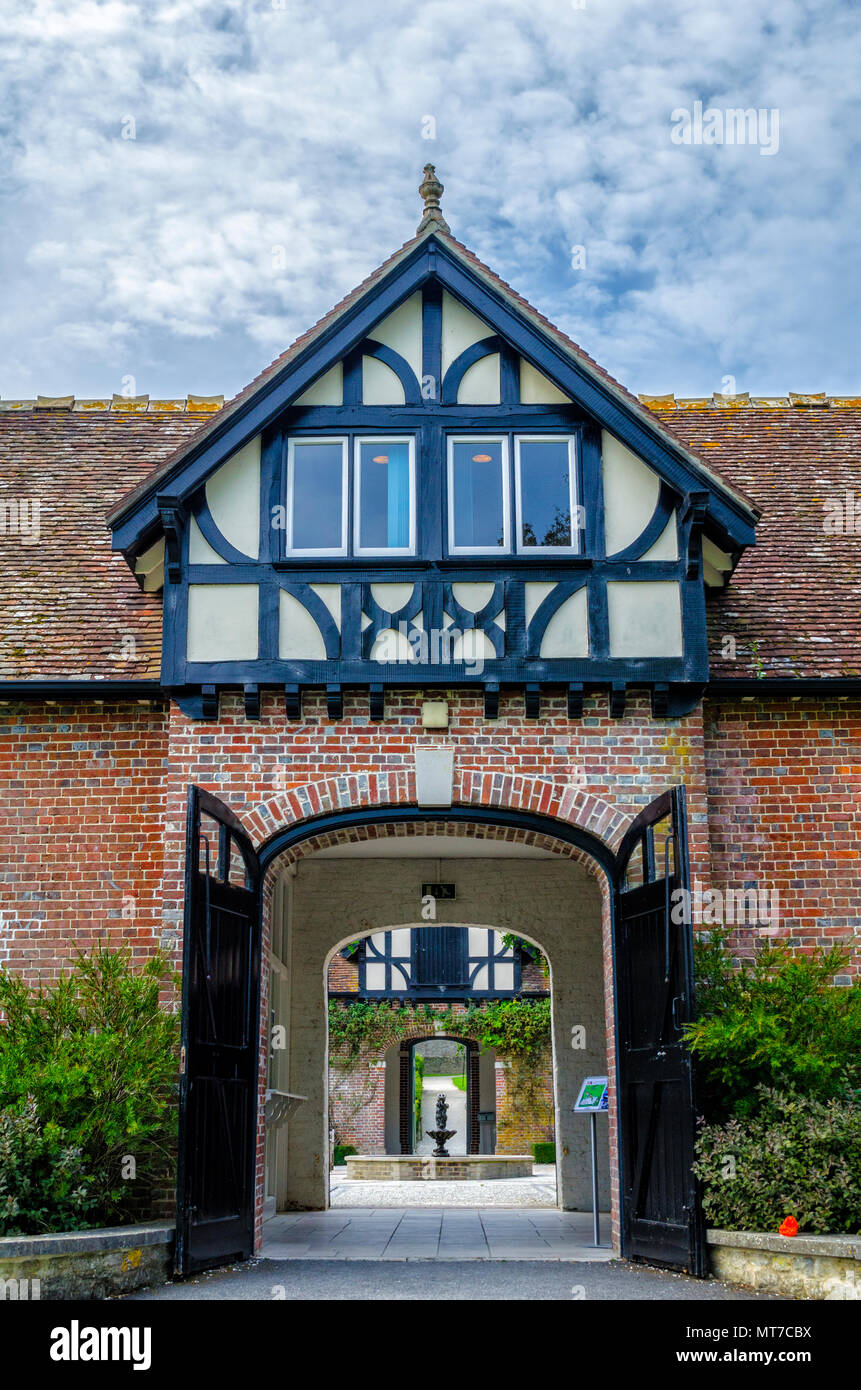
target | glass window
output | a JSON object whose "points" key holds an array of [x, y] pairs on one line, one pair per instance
{"points": [[385, 497], [478, 507], [546, 495], [317, 497]]}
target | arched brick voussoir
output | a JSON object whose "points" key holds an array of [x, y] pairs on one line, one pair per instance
{"points": [[545, 797], [363, 791]]}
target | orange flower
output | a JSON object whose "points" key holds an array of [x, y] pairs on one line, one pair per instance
{"points": [[788, 1227]]}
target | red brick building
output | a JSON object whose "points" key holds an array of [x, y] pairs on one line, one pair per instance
{"points": [[433, 595]]}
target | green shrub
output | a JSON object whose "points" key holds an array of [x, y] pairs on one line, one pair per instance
{"points": [[774, 1021], [418, 1088], [341, 1152], [96, 1055], [544, 1153], [796, 1156], [43, 1180]]}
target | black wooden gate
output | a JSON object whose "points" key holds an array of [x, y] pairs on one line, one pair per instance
{"points": [[661, 1215], [220, 1021]]}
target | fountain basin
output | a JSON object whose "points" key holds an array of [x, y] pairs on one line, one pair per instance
{"points": [[426, 1168]]}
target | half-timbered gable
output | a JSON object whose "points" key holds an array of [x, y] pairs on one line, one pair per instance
{"points": [[434, 487]]}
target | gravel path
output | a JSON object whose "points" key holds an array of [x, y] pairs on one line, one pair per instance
{"points": [[537, 1191]]}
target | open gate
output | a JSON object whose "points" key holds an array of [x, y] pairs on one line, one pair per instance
{"points": [[220, 1024], [661, 1214]]}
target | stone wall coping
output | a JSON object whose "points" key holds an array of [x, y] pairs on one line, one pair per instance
{"points": [[88, 1242], [832, 1247]]}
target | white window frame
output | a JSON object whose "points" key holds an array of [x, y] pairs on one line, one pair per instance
{"points": [[384, 440], [290, 549], [505, 469], [574, 548]]}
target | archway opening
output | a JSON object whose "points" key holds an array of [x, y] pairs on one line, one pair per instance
{"points": [[329, 900]]}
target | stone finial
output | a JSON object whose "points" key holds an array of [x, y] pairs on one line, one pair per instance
{"points": [[431, 190]]}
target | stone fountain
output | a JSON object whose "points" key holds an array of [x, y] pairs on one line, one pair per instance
{"points": [[441, 1134]]}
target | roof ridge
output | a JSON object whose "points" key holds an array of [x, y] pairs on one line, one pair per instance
{"points": [[743, 400], [119, 405]]}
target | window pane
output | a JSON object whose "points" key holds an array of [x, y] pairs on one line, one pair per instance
{"points": [[545, 492], [384, 503], [476, 502], [317, 496]]}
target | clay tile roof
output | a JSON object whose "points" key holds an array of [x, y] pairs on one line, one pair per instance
{"points": [[794, 603], [69, 605]]}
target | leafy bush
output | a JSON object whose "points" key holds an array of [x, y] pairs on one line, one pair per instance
{"points": [[341, 1152], [774, 1021], [96, 1055], [797, 1156], [43, 1182], [418, 1088], [544, 1153]]}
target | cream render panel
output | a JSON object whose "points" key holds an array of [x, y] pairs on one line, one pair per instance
{"points": [[631, 491], [328, 389], [299, 638], [330, 594], [538, 389], [534, 594], [200, 552], [233, 494], [479, 384], [401, 330], [567, 633], [222, 622], [645, 618], [460, 329], [380, 385], [666, 547]]}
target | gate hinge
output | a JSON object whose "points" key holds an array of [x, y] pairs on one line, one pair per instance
{"points": [[182, 1061]]}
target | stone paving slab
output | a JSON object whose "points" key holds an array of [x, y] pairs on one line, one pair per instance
{"points": [[433, 1233]]}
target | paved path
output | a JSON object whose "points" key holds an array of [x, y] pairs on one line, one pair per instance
{"points": [[451, 1280], [456, 1099], [433, 1233], [537, 1191]]}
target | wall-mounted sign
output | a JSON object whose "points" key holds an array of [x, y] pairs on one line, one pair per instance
{"points": [[592, 1097]]}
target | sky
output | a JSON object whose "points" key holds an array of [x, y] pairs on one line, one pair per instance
{"points": [[186, 187]]}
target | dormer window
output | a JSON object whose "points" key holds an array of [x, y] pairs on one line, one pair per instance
{"points": [[320, 496], [541, 495]]}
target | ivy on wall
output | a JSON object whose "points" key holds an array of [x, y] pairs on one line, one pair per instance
{"points": [[519, 1029]]}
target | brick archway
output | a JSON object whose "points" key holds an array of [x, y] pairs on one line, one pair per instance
{"points": [[379, 791]]}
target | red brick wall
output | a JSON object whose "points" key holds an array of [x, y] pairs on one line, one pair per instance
{"points": [[524, 1107], [784, 796], [82, 797], [92, 798]]}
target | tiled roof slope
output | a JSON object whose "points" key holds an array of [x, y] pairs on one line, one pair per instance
{"points": [[67, 604], [793, 605]]}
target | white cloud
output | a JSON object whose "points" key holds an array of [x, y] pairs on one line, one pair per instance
{"points": [[258, 127]]}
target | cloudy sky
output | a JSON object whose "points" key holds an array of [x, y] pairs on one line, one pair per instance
{"points": [[186, 186]]}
